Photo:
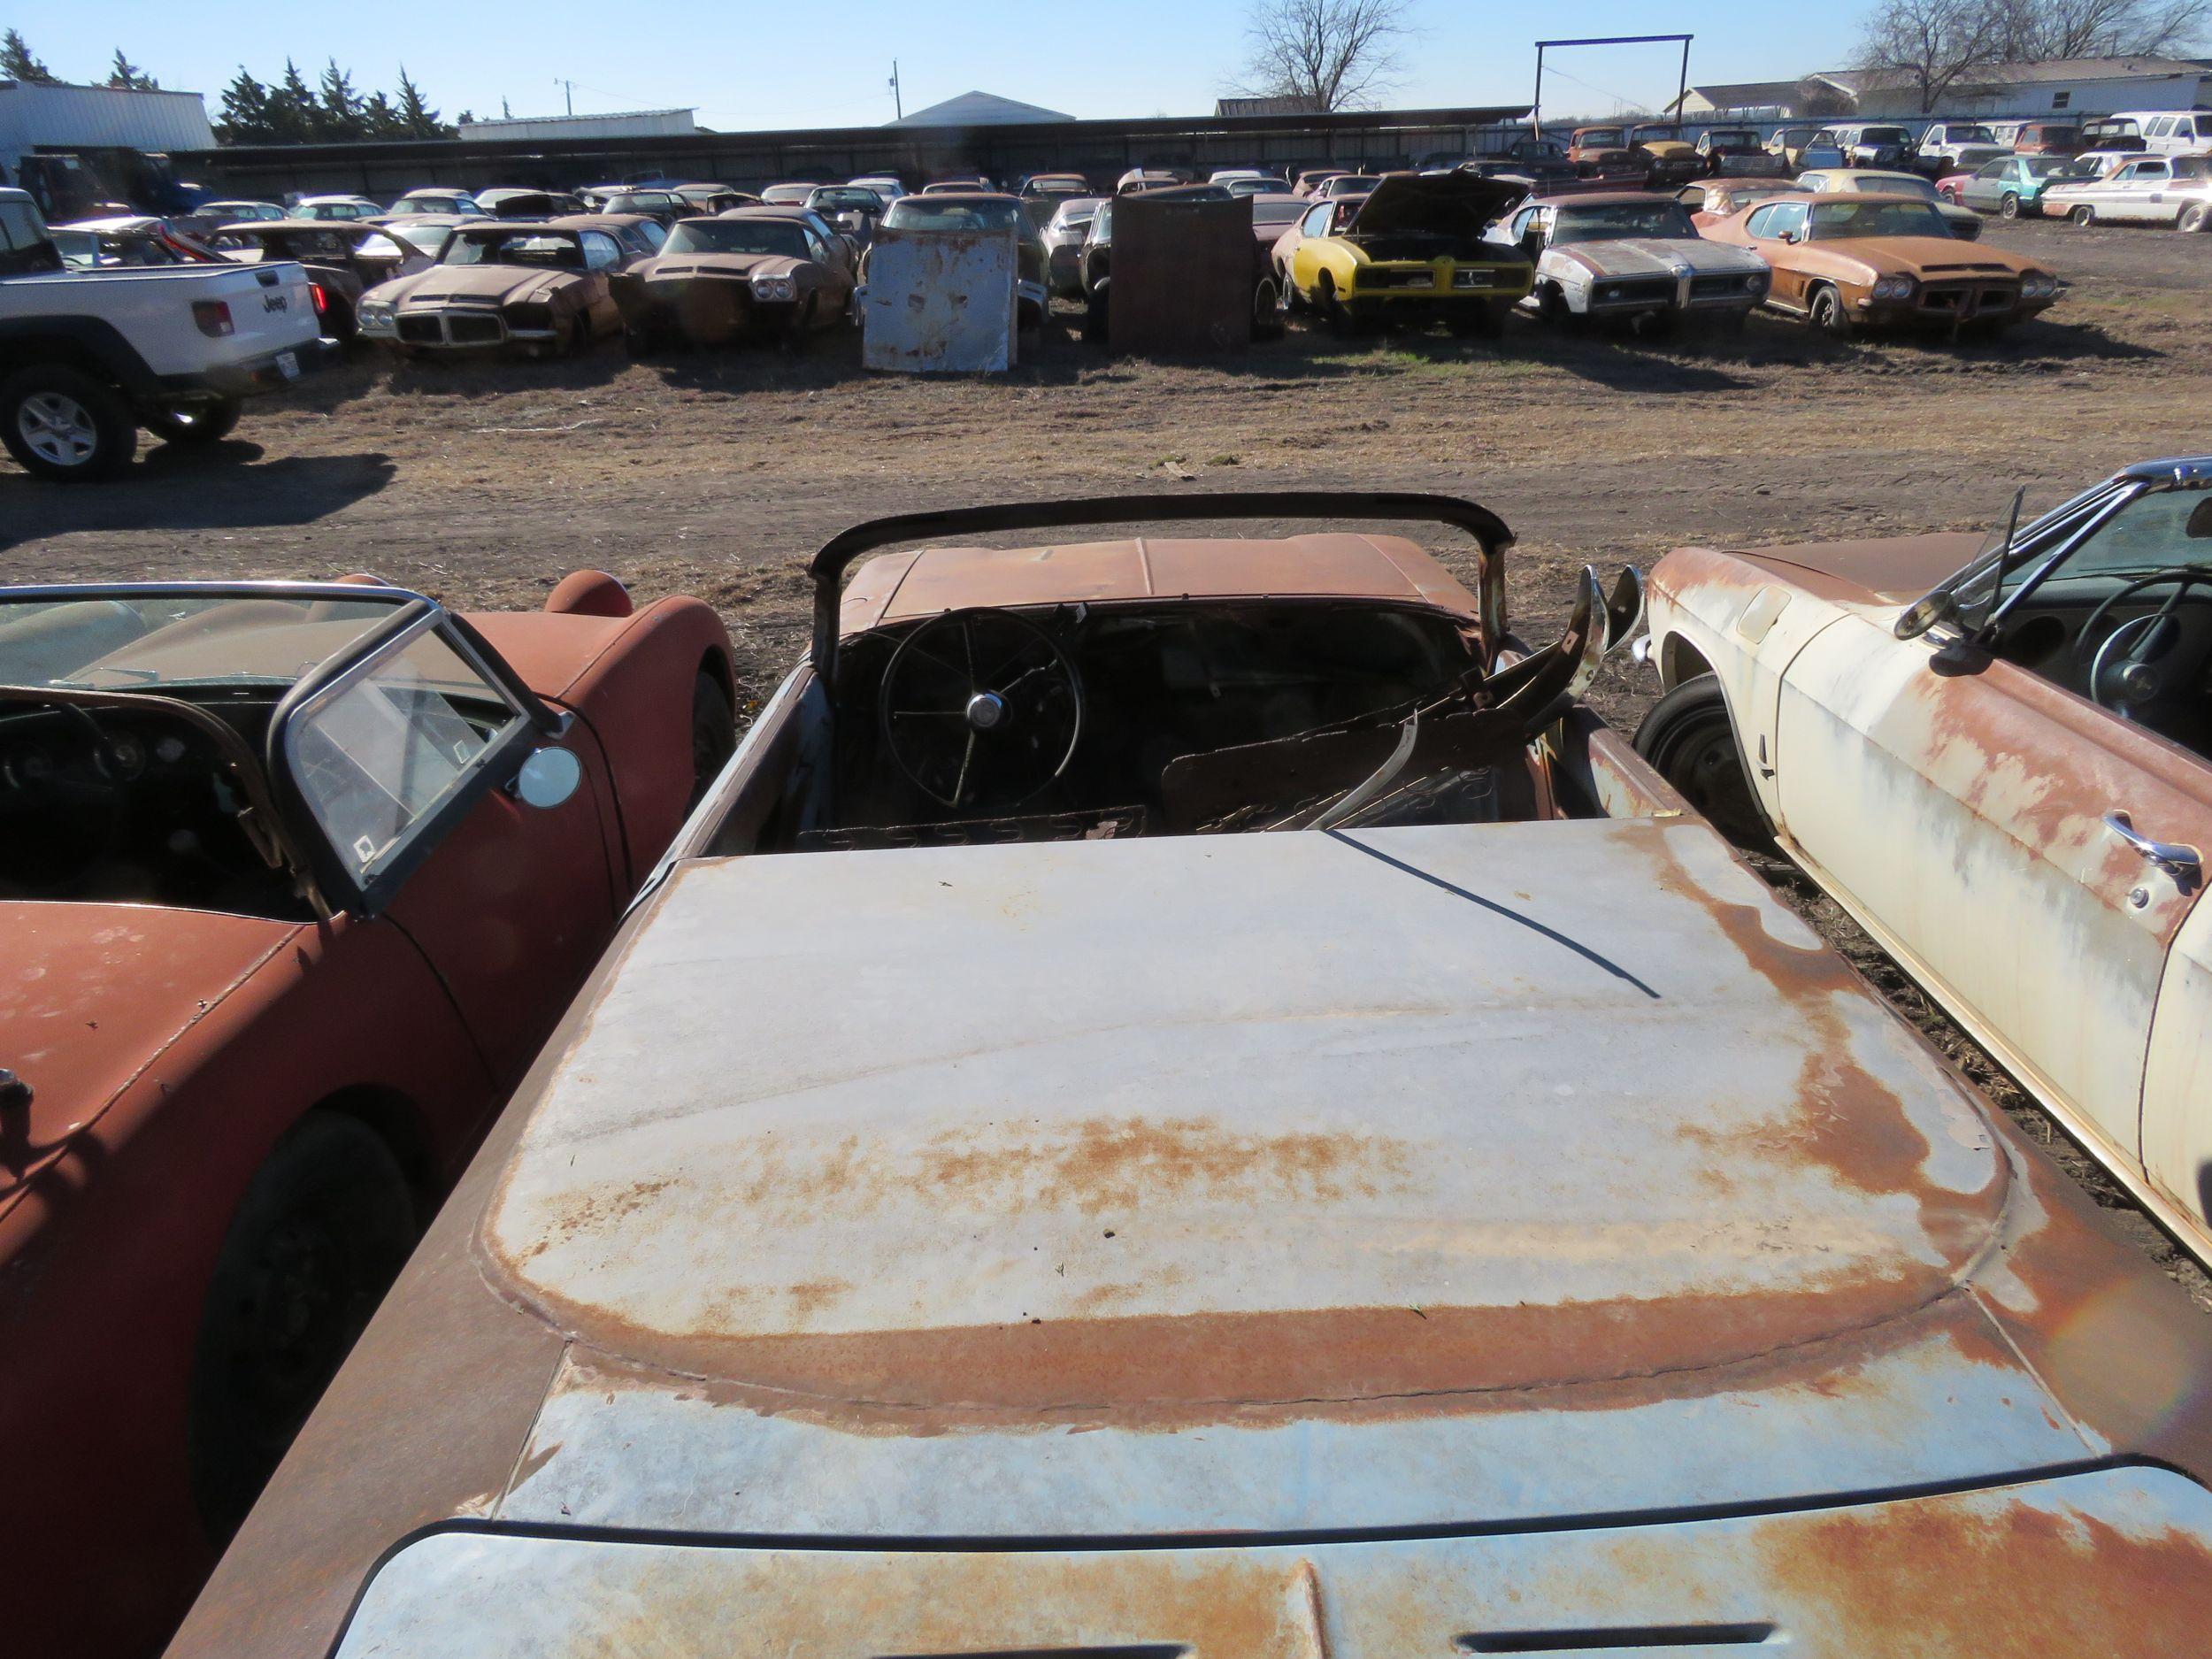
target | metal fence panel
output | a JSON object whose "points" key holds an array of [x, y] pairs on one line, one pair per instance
{"points": [[940, 302]]}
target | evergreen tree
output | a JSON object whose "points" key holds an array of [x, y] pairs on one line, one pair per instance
{"points": [[128, 77], [17, 63], [419, 119], [293, 111], [380, 119], [245, 118], [337, 117]]}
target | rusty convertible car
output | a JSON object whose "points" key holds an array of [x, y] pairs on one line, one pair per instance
{"points": [[2027, 724], [1847, 263], [988, 1202], [753, 273], [505, 285], [294, 880], [1630, 256]]}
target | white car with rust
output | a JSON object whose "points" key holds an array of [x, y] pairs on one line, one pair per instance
{"points": [[1996, 754], [1631, 255], [1182, 1097]]}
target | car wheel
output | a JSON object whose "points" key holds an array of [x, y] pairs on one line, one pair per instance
{"points": [[1333, 311], [2195, 217], [1690, 741], [800, 332], [1551, 305], [1267, 310], [2084, 215], [1829, 315], [2008, 206], [713, 731], [1294, 302], [195, 423], [324, 1226], [637, 340], [61, 424]]}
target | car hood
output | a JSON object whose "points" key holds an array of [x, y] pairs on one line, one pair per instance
{"points": [[670, 266], [1420, 1150], [1933, 258], [1888, 571], [1451, 203], [93, 995], [1657, 256], [476, 284]]}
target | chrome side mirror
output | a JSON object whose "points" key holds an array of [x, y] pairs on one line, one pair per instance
{"points": [[548, 778], [1925, 613]]}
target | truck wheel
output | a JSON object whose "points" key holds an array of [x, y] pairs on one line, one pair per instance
{"points": [[61, 424], [2008, 206], [324, 1226], [1690, 741], [195, 423], [1829, 315]]}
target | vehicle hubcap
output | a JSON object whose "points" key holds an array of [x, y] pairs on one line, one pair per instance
{"points": [[57, 428]]}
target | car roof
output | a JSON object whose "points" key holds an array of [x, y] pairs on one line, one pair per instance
{"points": [[896, 587], [785, 213], [1600, 198]]}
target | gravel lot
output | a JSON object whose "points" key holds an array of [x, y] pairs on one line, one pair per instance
{"points": [[719, 474]]}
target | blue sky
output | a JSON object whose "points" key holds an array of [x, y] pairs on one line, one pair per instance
{"points": [[826, 64]]}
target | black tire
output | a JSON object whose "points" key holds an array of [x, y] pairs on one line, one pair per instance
{"points": [[2008, 206], [1294, 302], [713, 731], [324, 1226], [2197, 216], [1333, 311], [1096, 317], [195, 423], [2084, 215], [1551, 305], [61, 424], [1267, 310], [1690, 740], [1829, 315]]}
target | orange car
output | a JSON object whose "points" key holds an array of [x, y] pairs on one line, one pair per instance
{"points": [[294, 879], [1852, 262]]}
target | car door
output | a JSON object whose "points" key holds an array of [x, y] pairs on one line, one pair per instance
{"points": [[1959, 804], [402, 762], [1304, 267], [2153, 200], [604, 255], [835, 286], [1766, 228]]}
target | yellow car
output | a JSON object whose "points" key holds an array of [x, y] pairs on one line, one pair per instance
{"points": [[1411, 248]]}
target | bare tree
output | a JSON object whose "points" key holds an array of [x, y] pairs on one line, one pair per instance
{"points": [[2041, 30], [1927, 45], [1331, 54]]}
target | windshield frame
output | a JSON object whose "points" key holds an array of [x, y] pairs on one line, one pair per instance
{"points": [[797, 228], [1838, 203], [477, 235]]}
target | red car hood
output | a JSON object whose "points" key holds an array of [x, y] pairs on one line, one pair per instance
{"points": [[91, 995], [716, 265]]}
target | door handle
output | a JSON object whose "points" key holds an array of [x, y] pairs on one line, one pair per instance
{"points": [[2183, 864]]}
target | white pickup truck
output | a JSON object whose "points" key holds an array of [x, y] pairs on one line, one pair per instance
{"points": [[88, 359]]}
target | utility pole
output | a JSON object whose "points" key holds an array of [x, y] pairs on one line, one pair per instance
{"points": [[898, 104], [569, 88]]}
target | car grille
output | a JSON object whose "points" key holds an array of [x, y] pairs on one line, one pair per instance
{"points": [[1632, 290], [1479, 278], [1371, 278], [1968, 299], [1706, 288], [469, 330], [421, 331]]}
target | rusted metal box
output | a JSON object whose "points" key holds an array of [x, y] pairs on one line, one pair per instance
{"points": [[940, 302], [1182, 276]]}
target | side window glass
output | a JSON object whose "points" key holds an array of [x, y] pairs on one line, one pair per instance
{"points": [[379, 754], [599, 250], [1317, 223], [1762, 222]]}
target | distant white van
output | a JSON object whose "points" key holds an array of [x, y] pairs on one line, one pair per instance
{"points": [[2168, 132]]}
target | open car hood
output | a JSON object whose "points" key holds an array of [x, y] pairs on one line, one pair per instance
{"points": [[1448, 203]]}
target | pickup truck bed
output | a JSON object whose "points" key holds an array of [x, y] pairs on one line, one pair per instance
{"points": [[87, 358]]}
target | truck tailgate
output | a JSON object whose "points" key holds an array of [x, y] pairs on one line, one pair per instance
{"points": [[182, 320]]}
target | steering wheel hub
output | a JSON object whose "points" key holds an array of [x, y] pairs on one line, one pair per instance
{"points": [[986, 710]]}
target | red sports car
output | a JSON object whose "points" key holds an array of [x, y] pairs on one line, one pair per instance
{"points": [[294, 880]]}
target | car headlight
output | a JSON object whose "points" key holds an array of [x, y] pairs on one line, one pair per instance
{"points": [[1755, 282], [1606, 291], [2037, 285], [375, 311], [1894, 287], [775, 287]]}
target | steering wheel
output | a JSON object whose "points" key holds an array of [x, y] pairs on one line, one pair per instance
{"points": [[2125, 672], [980, 708], [85, 817]]}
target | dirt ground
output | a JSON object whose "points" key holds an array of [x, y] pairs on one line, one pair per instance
{"points": [[720, 474]]}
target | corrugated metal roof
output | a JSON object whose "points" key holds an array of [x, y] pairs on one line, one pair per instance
{"points": [[100, 117], [981, 109]]}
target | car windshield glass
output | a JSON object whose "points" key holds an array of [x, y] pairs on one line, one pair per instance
{"points": [[779, 237], [1600, 137], [429, 238], [1346, 183], [125, 641], [2193, 167], [1838, 221], [551, 249], [2158, 530], [1736, 135], [926, 213], [845, 199], [2058, 167], [1896, 184], [1276, 212], [1971, 135], [1617, 219], [1885, 136]]}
